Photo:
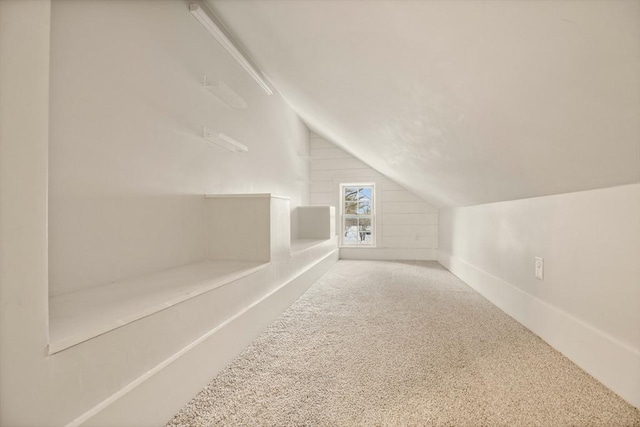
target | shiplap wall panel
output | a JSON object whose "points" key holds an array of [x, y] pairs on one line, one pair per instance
{"points": [[322, 199], [321, 176], [416, 219], [337, 164], [396, 230], [316, 142], [322, 187], [399, 196], [408, 226], [329, 153], [388, 185], [354, 175], [411, 242], [407, 207]]}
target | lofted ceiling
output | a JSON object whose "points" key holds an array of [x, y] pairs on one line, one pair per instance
{"points": [[463, 102]]}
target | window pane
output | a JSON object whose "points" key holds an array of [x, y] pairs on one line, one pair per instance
{"points": [[350, 194], [357, 223], [365, 193], [364, 208], [365, 230], [350, 231]]}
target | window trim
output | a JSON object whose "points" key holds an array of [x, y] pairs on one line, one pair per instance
{"points": [[373, 215]]}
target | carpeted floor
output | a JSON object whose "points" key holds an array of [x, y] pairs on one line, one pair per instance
{"points": [[395, 344]]}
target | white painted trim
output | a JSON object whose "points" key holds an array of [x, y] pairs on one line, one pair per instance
{"points": [[610, 361], [374, 217], [223, 140], [165, 363]]}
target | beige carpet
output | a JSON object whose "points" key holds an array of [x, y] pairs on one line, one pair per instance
{"points": [[391, 343]]}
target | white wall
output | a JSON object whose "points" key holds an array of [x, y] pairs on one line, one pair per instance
{"points": [[106, 139], [128, 164], [407, 225], [588, 305], [24, 115]]}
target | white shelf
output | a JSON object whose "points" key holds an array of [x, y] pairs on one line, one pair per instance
{"points": [[222, 140], [225, 94], [82, 315]]}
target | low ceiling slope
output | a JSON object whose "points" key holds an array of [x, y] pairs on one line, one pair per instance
{"points": [[464, 102]]}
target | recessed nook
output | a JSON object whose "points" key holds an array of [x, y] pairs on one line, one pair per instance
{"points": [[316, 225], [243, 233]]}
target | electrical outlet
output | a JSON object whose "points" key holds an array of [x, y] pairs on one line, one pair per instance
{"points": [[539, 268]]}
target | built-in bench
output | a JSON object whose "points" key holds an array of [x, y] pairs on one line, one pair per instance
{"points": [[78, 316], [243, 233]]}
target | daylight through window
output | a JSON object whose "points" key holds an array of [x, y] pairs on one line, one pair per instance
{"points": [[358, 214]]}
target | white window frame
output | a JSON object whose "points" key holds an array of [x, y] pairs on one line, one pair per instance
{"points": [[343, 216]]}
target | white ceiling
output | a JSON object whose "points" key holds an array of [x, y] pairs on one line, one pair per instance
{"points": [[463, 102]]}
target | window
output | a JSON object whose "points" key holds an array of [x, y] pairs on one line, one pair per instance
{"points": [[358, 221]]}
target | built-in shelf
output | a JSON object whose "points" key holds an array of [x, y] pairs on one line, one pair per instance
{"points": [[243, 232], [79, 316], [223, 141], [212, 27], [225, 94], [238, 243]]}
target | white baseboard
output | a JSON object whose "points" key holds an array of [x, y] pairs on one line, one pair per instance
{"points": [[614, 364], [155, 397]]}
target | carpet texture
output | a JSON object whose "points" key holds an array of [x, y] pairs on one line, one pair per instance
{"points": [[395, 344]]}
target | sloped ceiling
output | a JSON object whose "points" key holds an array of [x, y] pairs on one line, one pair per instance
{"points": [[464, 102]]}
